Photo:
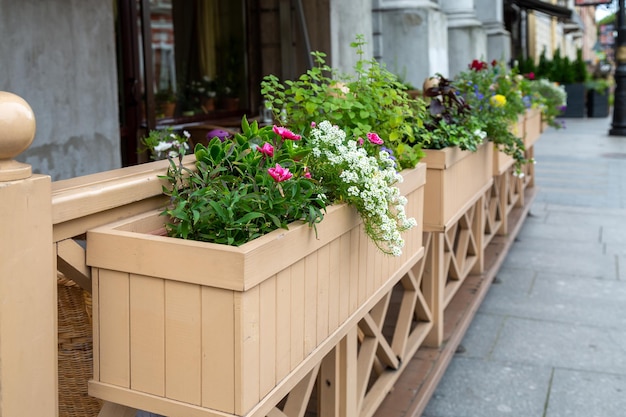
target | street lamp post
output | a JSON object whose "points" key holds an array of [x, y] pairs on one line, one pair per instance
{"points": [[618, 127]]}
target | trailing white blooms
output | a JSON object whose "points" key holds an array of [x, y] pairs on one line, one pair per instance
{"points": [[364, 181]]}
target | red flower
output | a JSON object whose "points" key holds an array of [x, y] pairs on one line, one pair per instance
{"points": [[285, 133], [477, 65], [267, 149], [530, 75], [494, 63], [279, 173]]}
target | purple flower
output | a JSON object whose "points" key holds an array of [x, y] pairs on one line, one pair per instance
{"points": [[221, 134]]}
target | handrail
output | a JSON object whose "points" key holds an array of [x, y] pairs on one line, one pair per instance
{"points": [[81, 203]]}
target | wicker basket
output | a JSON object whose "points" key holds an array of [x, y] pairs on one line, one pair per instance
{"points": [[75, 350]]}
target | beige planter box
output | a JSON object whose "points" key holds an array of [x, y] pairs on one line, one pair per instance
{"points": [[532, 127], [200, 329], [501, 162], [455, 179]]}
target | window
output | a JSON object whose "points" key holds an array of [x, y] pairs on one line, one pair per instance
{"points": [[198, 57]]}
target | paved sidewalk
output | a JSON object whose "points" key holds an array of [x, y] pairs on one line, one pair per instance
{"points": [[549, 340]]}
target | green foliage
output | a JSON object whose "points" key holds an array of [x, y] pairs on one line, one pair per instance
{"points": [[497, 95], [450, 121], [231, 199], [165, 142], [551, 98], [579, 68], [544, 68], [562, 69], [370, 100]]}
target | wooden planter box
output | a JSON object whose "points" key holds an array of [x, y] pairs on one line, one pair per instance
{"points": [[455, 179], [200, 329], [501, 162], [532, 127]]}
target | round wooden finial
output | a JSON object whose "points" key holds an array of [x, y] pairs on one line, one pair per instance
{"points": [[17, 131]]}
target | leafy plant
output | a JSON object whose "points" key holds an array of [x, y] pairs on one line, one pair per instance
{"points": [[166, 143], [242, 188], [496, 93], [265, 178], [551, 97], [452, 121], [370, 100]]}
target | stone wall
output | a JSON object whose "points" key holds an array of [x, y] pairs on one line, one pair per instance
{"points": [[60, 57]]}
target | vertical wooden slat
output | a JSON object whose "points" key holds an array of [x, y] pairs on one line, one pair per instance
{"points": [[267, 335], [182, 346], [218, 349], [433, 283], [344, 277], [334, 287], [247, 339], [283, 323], [370, 273], [364, 270], [147, 325], [347, 360], [328, 395], [95, 316], [297, 314], [323, 259], [114, 328], [310, 303], [353, 301]]}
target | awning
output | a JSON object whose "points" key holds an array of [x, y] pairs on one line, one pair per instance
{"points": [[560, 12]]}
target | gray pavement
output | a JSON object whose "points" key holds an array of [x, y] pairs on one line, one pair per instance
{"points": [[549, 340]]}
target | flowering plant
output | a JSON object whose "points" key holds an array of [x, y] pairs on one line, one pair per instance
{"points": [[451, 121], [496, 93], [265, 178], [242, 188], [363, 174], [551, 98], [372, 99], [166, 143]]}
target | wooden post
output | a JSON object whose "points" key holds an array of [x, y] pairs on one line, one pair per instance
{"points": [[28, 302]]}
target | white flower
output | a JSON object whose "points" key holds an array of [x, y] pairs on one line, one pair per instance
{"points": [[370, 185], [163, 146]]}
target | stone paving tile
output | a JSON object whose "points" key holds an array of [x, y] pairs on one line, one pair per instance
{"points": [[570, 263], [586, 394], [481, 336], [477, 388], [565, 345], [535, 227], [556, 297]]}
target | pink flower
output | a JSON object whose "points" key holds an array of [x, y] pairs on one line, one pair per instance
{"points": [[266, 149], [313, 124], [530, 75], [279, 173], [360, 141], [285, 133], [374, 138], [307, 174]]}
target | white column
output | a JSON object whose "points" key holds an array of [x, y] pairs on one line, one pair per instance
{"points": [[467, 39], [491, 13], [411, 38]]}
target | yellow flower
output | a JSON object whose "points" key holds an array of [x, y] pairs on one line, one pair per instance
{"points": [[497, 100]]}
